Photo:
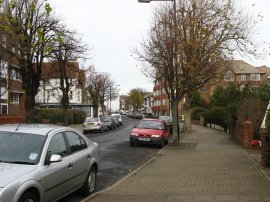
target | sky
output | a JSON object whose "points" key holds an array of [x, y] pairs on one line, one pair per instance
{"points": [[112, 29]]}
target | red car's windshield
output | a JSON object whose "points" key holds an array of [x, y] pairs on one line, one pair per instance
{"points": [[149, 124]]}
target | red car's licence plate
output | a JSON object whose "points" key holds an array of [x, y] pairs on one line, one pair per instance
{"points": [[144, 139]]}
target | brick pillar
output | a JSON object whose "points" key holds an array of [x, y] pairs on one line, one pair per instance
{"points": [[247, 134], [264, 147]]}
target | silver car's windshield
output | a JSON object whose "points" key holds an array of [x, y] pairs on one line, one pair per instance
{"points": [[20, 148]]}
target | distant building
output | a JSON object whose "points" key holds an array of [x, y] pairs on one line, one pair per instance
{"points": [[148, 103], [124, 103]]}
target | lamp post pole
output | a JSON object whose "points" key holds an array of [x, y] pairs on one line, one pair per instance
{"points": [[175, 58], [110, 100]]}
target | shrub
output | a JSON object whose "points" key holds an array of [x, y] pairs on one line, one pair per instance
{"points": [[216, 115], [197, 112]]}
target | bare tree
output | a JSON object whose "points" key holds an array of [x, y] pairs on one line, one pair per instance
{"points": [[66, 51], [98, 86], [27, 27], [186, 48]]}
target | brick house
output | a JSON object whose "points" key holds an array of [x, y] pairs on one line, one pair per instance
{"points": [[12, 96], [239, 73]]}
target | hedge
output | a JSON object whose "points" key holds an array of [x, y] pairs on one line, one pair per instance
{"points": [[55, 116]]}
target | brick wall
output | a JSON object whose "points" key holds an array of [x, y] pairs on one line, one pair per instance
{"points": [[264, 147], [6, 119], [243, 133]]}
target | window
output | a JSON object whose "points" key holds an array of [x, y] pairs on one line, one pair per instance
{"points": [[164, 101], [255, 77], [15, 74], [79, 95], [243, 77], [229, 76], [203, 90], [4, 109], [14, 97], [57, 145], [71, 95], [76, 143], [48, 96]]}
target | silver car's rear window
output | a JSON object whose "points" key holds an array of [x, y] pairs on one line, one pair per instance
{"points": [[20, 148], [91, 120]]}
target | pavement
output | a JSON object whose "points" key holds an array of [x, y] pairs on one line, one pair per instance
{"points": [[206, 166]]}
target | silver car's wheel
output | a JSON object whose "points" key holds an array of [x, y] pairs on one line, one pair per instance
{"points": [[90, 182], [28, 197]]}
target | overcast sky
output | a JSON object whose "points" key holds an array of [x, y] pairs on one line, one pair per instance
{"points": [[113, 28]]}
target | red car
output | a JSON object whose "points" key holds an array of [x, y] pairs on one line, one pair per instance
{"points": [[150, 131]]}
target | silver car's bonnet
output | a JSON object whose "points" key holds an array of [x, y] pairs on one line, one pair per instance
{"points": [[11, 172]]}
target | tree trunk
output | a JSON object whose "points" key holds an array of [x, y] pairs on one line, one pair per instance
{"points": [[29, 106], [65, 104], [176, 134], [187, 112]]}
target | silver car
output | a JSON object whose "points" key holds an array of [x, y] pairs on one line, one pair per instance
{"points": [[94, 124], [45, 162]]}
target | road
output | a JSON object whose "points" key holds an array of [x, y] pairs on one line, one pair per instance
{"points": [[117, 157]]}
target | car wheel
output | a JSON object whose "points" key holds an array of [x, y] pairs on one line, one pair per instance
{"points": [[162, 143], [132, 143], [28, 197], [90, 182]]}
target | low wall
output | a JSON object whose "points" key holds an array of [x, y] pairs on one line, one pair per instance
{"points": [[11, 119]]}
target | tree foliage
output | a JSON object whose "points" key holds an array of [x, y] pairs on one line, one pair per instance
{"points": [[248, 104], [136, 98]]}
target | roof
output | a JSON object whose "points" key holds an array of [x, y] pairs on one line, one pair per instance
{"points": [[241, 67], [264, 69], [52, 70]]}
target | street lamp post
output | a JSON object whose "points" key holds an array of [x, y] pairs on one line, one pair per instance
{"points": [[175, 52], [110, 100]]}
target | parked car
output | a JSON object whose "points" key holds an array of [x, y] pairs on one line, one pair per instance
{"points": [[150, 131], [94, 124], [43, 163], [118, 116], [109, 121], [116, 121], [137, 115], [168, 120]]}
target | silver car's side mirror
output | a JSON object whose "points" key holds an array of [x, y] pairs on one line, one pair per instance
{"points": [[55, 158]]}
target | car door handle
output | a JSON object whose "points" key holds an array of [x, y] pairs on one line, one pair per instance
{"points": [[70, 165]]}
